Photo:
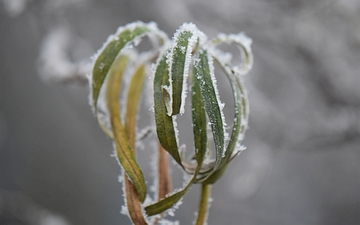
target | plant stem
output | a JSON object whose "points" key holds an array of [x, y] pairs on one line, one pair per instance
{"points": [[164, 185], [203, 204]]}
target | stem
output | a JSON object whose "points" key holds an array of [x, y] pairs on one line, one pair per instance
{"points": [[203, 204], [164, 175], [164, 183]]}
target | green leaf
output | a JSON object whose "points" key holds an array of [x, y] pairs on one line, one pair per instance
{"points": [[179, 60], [106, 56], [199, 123], [124, 151], [167, 202], [204, 75], [199, 129], [164, 123], [240, 118]]}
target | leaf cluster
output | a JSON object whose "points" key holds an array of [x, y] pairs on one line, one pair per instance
{"points": [[183, 64]]}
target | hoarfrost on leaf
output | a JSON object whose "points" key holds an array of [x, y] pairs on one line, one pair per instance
{"points": [[244, 44]]}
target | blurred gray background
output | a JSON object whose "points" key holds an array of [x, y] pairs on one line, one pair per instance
{"points": [[302, 163]]}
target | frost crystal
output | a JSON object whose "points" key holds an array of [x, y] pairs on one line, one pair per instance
{"points": [[244, 44], [196, 37]]}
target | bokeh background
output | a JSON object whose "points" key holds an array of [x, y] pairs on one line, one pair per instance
{"points": [[302, 163]]}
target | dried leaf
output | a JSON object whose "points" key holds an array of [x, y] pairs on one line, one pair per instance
{"points": [[124, 151], [132, 199]]}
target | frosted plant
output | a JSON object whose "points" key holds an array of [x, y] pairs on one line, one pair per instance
{"points": [[182, 65]]}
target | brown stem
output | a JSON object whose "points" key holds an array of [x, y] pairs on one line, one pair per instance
{"points": [[133, 203], [164, 183], [164, 176]]}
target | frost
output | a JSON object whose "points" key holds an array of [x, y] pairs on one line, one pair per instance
{"points": [[176, 130], [221, 105], [244, 44], [183, 48], [197, 36], [153, 34], [176, 206]]}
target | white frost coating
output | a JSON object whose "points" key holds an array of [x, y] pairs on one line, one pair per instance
{"points": [[154, 32], [154, 66], [176, 206], [221, 105], [176, 130], [243, 96], [197, 35], [244, 43]]}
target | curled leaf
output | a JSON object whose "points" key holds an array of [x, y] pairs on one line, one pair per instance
{"points": [[124, 151], [179, 61], [106, 56], [199, 129], [164, 123], [203, 72], [244, 44], [132, 198]]}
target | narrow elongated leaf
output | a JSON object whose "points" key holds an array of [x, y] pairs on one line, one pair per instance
{"points": [[199, 129], [132, 199], [111, 48], [244, 44], [124, 151], [167, 202], [164, 123], [238, 94], [199, 123], [204, 74], [133, 102], [179, 61]]}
